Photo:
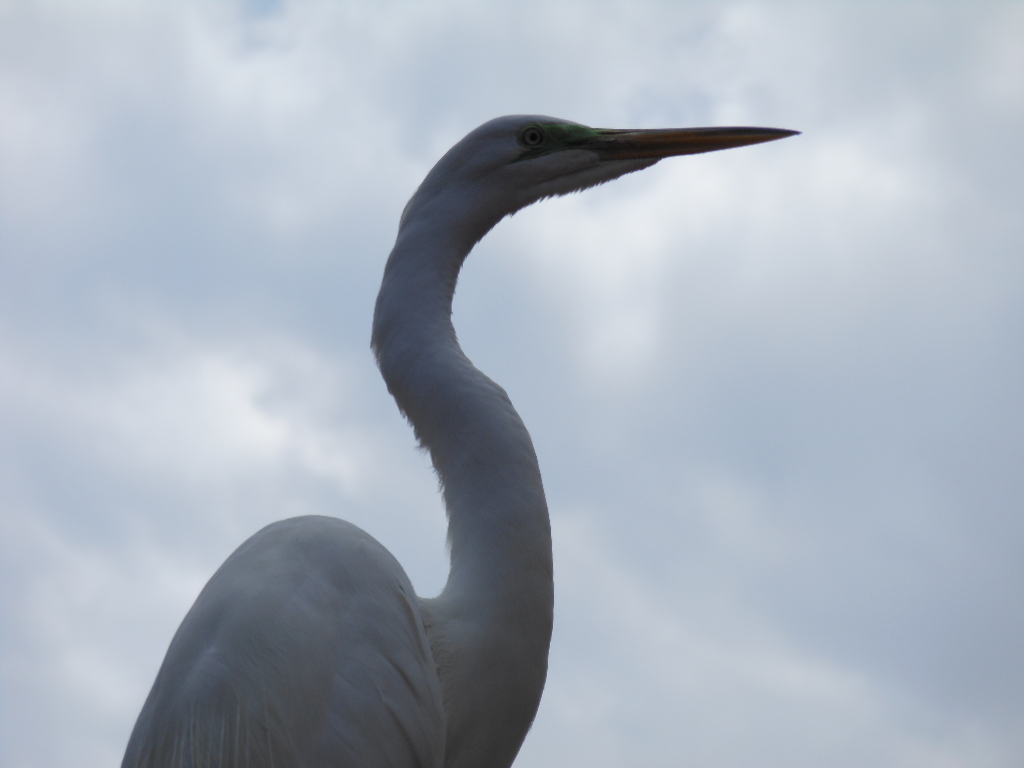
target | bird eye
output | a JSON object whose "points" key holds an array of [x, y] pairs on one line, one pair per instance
{"points": [[532, 136]]}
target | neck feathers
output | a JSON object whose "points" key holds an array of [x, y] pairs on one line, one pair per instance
{"points": [[491, 626]]}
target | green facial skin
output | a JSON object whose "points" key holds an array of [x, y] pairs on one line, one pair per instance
{"points": [[557, 137]]}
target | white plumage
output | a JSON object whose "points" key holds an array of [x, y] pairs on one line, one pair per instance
{"points": [[308, 647]]}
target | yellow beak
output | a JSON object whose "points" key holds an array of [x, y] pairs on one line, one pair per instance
{"points": [[613, 144]]}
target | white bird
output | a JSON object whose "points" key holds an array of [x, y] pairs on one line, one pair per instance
{"points": [[308, 647]]}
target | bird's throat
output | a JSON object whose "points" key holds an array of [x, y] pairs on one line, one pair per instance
{"points": [[490, 627]]}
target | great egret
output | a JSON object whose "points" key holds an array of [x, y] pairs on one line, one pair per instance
{"points": [[308, 647]]}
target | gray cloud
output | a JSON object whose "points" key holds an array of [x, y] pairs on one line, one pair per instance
{"points": [[775, 392]]}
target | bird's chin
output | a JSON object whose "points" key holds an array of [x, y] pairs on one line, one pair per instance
{"points": [[583, 169]]}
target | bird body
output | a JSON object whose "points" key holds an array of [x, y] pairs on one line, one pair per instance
{"points": [[311, 622], [308, 647]]}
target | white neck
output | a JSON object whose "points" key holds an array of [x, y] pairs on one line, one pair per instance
{"points": [[490, 627]]}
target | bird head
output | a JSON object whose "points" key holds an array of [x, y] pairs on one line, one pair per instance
{"points": [[511, 162]]}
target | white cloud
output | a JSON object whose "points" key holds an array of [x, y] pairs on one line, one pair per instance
{"points": [[775, 392]]}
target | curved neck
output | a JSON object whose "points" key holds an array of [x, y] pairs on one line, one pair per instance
{"points": [[490, 628]]}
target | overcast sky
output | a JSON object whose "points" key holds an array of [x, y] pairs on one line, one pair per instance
{"points": [[776, 391]]}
